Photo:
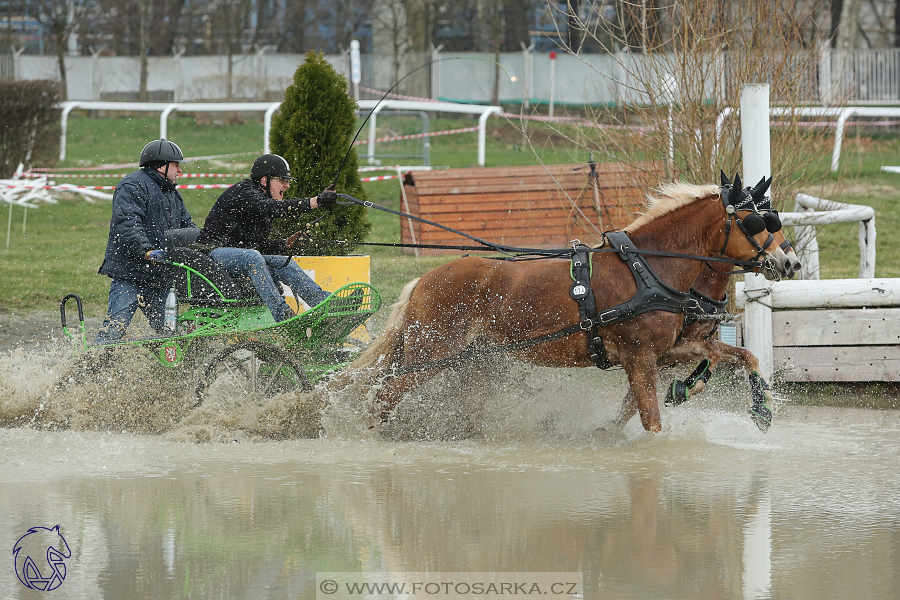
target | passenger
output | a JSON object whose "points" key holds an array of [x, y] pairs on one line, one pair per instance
{"points": [[241, 220], [145, 204]]}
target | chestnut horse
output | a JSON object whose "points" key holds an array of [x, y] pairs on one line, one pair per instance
{"points": [[479, 303], [697, 343]]}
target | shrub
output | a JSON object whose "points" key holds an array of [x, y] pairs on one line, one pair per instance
{"points": [[29, 124], [312, 132]]}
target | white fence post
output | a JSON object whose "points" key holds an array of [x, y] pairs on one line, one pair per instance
{"points": [[757, 163]]}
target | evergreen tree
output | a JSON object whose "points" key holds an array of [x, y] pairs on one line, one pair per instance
{"points": [[312, 132]]}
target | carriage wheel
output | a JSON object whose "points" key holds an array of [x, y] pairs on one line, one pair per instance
{"points": [[251, 372]]}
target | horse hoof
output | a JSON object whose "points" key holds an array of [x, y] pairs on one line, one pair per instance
{"points": [[761, 415], [677, 393]]}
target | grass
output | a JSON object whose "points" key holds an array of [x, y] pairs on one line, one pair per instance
{"points": [[63, 244]]}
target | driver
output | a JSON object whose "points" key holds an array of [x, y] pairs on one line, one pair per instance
{"points": [[145, 204], [241, 220]]}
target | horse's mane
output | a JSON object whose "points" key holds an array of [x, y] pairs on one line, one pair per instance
{"points": [[672, 196]]}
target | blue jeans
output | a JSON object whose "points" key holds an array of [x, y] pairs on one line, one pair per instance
{"points": [[124, 299], [264, 270]]}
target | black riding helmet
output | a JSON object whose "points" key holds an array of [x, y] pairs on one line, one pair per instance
{"points": [[270, 165], [159, 152]]}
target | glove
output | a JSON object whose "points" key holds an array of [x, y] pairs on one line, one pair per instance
{"points": [[156, 256], [327, 199]]}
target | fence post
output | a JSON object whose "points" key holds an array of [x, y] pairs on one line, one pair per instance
{"points": [[755, 142]]}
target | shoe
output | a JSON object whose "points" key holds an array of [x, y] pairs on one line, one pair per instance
{"points": [[349, 303]]}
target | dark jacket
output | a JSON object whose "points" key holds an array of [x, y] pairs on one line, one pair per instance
{"points": [[145, 204], [242, 218]]}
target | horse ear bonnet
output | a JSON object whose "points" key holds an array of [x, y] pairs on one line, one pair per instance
{"points": [[762, 202], [724, 179]]}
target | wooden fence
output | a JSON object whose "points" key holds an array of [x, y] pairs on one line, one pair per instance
{"points": [[827, 330], [533, 206]]}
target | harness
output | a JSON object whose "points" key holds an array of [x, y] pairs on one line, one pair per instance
{"points": [[652, 294]]}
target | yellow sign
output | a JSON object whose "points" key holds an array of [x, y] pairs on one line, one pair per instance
{"points": [[331, 273]]}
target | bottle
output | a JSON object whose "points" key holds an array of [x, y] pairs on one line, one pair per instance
{"points": [[171, 311]]}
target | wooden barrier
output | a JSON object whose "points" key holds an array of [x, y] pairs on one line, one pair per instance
{"points": [[533, 206], [827, 330]]}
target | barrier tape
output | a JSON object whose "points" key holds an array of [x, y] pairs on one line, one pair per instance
{"points": [[417, 135], [129, 165], [120, 175], [66, 187], [401, 97], [379, 178]]}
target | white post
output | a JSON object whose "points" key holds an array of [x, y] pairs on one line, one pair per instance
{"points": [[164, 121], [757, 163], [482, 132], [17, 62], [528, 74], [267, 125], [436, 71], [355, 68], [670, 94], [177, 54], [373, 124], [867, 249], [552, 78], [63, 126]]}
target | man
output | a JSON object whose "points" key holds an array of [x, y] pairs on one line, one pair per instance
{"points": [[241, 220], [145, 204]]}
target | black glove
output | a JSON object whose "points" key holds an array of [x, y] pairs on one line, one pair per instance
{"points": [[327, 199]]}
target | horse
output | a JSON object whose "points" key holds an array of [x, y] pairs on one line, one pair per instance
{"points": [[696, 341], [473, 304]]}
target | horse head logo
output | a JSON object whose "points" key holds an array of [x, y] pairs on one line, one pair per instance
{"points": [[39, 556]]}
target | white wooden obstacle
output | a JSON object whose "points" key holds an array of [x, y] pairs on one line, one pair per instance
{"points": [[827, 330], [816, 330]]}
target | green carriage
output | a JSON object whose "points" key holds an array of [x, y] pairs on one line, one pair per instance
{"points": [[228, 340]]}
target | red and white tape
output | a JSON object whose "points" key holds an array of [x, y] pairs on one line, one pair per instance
{"points": [[417, 135]]}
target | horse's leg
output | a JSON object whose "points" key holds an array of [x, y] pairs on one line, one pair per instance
{"points": [[642, 371], [760, 391], [629, 407], [716, 352], [686, 350], [393, 390]]}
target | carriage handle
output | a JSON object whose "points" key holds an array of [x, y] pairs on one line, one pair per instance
{"points": [[62, 316]]}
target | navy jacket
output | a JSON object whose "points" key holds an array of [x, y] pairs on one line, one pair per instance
{"points": [[145, 204], [242, 218]]}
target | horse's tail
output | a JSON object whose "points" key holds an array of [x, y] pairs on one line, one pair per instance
{"points": [[387, 350]]}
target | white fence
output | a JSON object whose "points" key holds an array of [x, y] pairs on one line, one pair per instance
{"points": [[843, 77]]}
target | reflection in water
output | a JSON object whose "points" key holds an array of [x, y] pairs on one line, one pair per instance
{"points": [[707, 511], [710, 509]]}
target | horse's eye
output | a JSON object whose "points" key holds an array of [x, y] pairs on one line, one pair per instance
{"points": [[754, 224]]}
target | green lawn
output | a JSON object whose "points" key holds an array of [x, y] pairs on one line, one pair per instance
{"points": [[63, 244]]}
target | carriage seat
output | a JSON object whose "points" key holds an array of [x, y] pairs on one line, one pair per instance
{"points": [[218, 288]]}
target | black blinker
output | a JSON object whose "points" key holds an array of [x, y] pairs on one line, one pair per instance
{"points": [[753, 224], [772, 221]]}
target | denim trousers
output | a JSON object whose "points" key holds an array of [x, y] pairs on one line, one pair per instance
{"points": [[264, 270], [125, 298]]}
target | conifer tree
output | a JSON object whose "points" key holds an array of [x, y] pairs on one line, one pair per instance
{"points": [[312, 131]]}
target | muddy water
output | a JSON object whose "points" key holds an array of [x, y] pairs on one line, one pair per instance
{"points": [[711, 508]]}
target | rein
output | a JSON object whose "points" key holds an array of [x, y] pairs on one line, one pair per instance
{"points": [[542, 252]]}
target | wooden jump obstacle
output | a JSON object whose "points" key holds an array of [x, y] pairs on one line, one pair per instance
{"points": [[827, 330], [533, 206]]}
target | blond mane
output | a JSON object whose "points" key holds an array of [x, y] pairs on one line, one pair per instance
{"points": [[671, 197]]}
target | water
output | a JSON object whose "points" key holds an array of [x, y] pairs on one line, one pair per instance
{"points": [[710, 508]]}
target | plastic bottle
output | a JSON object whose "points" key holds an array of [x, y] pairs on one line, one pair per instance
{"points": [[171, 311]]}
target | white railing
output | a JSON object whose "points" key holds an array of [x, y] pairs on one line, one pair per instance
{"points": [[269, 108], [812, 212]]}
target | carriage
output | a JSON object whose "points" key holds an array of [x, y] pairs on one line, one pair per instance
{"points": [[228, 339]]}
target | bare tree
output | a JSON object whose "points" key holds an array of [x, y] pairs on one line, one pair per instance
{"points": [[62, 19]]}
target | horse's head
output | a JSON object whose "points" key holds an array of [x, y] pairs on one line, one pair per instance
{"points": [[752, 212]]}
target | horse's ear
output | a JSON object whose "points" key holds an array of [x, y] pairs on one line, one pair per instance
{"points": [[761, 188], [734, 197], [724, 178]]}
